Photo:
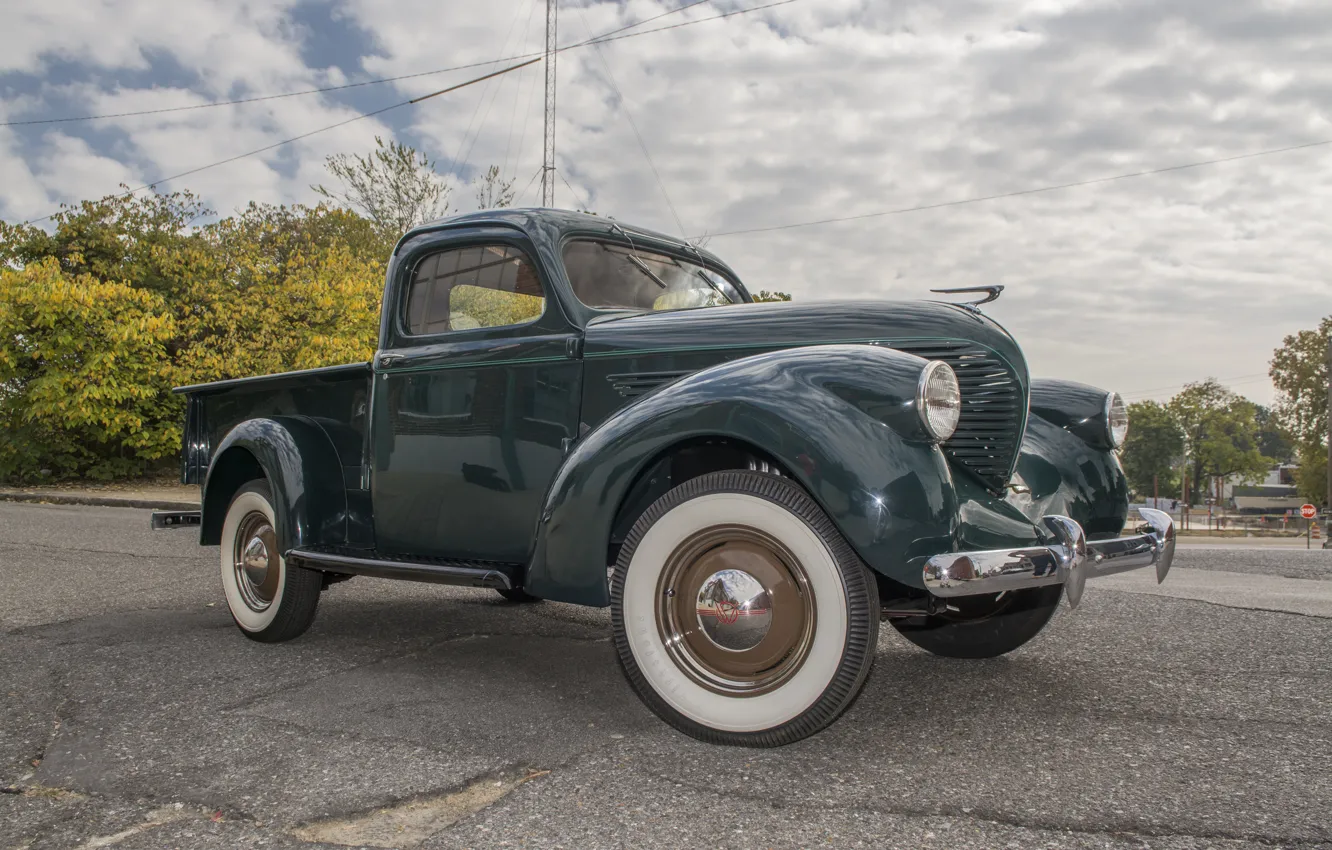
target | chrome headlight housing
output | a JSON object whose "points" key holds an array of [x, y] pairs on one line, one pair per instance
{"points": [[939, 400], [1116, 420]]}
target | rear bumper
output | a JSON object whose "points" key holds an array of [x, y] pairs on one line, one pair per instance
{"points": [[1070, 560]]}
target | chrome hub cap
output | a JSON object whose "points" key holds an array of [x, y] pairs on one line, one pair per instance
{"points": [[735, 610], [256, 561]]}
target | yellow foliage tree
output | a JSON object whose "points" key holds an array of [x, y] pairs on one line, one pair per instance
{"points": [[84, 376], [129, 296], [265, 294]]}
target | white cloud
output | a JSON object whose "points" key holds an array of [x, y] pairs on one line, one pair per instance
{"points": [[807, 111]]}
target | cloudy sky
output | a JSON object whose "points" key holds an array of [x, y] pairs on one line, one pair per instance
{"points": [[809, 110]]}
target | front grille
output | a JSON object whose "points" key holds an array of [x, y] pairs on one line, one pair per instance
{"points": [[989, 432]]}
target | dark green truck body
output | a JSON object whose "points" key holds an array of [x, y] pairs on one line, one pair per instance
{"points": [[529, 448]]}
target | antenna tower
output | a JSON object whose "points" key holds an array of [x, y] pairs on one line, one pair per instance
{"points": [[548, 143]]}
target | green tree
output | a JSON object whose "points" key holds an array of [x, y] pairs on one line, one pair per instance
{"points": [[394, 186], [1153, 449], [1311, 477], [126, 238], [1221, 434], [492, 191], [765, 295], [1273, 441], [1299, 373]]}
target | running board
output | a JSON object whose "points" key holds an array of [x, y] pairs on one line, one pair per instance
{"points": [[441, 571]]}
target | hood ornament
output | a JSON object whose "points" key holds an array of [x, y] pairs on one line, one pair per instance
{"points": [[974, 306]]}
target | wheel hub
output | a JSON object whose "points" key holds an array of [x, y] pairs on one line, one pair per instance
{"points": [[256, 561], [736, 612]]}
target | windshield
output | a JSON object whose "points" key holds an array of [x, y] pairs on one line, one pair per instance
{"points": [[609, 276]]}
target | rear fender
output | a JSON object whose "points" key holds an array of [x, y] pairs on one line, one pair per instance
{"points": [[301, 466], [841, 419]]}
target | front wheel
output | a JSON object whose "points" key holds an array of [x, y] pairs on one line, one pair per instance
{"points": [[740, 614], [984, 626]]}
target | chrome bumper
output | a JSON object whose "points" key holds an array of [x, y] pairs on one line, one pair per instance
{"points": [[1070, 560]]}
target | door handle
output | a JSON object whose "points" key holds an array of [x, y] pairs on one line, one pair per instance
{"points": [[388, 360]]}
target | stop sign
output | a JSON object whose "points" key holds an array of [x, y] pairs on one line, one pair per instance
{"points": [[1308, 511]]}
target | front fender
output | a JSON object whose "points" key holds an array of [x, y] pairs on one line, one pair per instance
{"points": [[1069, 476], [840, 419], [302, 468]]}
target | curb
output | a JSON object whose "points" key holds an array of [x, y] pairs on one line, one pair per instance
{"points": [[101, 501]]}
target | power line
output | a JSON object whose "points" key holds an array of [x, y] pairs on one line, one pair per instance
{"points": [[1035, 191], [464, 150], [612, 35], [1239, 379], [624, 110], [587, 205], [523, 193], [360, 117]]}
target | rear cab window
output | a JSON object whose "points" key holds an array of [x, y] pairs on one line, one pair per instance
{"points": [[481, 286]]}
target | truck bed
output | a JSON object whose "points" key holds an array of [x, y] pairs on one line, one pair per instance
{"points": [[337, 398]]}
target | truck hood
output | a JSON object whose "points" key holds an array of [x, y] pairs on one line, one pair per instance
{"points": [[627, 356], [775, 325]]}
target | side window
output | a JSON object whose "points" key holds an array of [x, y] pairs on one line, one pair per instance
{"points": [[485, 286]]}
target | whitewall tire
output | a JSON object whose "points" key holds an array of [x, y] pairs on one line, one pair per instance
{"points": [[741, 615], [269, 601]]}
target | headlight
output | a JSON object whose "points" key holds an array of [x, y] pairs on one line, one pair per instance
{"points": [[939, 400], [1116, 420]]}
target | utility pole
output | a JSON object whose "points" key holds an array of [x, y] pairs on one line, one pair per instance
{"points": [[548, 143]]}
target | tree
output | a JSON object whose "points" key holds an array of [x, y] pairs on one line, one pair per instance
{"points": [[1273, 441], [492, 192], [1311, 477], [123, 237], [1220, 431], [394, 186], [130, 296], [1299, 372], [84, 376], [1153, 449], [765, 295], [277, 288]]}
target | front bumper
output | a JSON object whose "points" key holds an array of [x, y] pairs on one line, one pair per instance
{"points": [[1070, 561]]}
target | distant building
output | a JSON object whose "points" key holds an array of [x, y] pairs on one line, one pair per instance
{"points": [[1276, 493]]}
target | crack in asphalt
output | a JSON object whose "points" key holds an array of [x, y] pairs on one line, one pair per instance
{"points": [[251, 701], [1277, 611], [135, 555], [991, 816]]}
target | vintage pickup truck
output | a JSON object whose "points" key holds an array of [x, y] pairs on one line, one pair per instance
{"points": [[565, 407]]}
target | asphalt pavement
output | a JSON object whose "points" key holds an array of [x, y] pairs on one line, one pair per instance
{"points": [[136, 716]]}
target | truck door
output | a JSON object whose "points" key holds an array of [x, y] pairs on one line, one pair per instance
{"points": [[477, 388]]}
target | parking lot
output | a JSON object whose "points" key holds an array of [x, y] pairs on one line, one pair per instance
{"points": [[136, 716]]}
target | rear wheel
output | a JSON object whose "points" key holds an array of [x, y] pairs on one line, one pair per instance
{"points": [[269, 600], [740, 614], [984, 626]]}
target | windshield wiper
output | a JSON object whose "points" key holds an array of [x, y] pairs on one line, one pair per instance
{"points": [[643, 267], [715, 287]]}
